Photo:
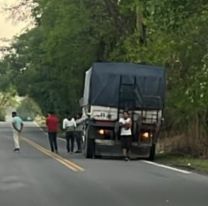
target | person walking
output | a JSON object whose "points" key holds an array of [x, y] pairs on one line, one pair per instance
{"points": [[69, 126], [126, 134], [52, 125], [17, 125]]}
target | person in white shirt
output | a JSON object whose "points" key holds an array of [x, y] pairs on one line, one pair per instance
{"points": [[79, 132], [17, 125], [69, 126], [126, 134]]}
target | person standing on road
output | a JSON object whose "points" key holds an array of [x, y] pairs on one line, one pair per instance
{"points": [[126, 134], [79, 132], [17, 125], [52, 125], [69, 126]]}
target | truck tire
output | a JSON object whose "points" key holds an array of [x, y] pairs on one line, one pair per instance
{"points": [[152, 153], [89, 148]]}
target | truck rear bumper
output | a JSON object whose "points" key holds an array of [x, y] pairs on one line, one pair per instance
{"points": [[112, 148]]}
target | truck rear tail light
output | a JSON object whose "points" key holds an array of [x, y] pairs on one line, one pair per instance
{"points": [[146, 137], [101, 131], [105, 133]]}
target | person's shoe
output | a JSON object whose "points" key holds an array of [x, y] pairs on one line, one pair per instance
{"points": [[126, 159], [78, 151], [16, 149]]}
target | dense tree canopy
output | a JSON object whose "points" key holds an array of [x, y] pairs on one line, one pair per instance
{"points": [[48, 62]]}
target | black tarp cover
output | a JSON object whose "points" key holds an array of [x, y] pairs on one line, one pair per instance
{"points": [[103, 80]]}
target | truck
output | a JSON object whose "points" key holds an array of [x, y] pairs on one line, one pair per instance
{"points": [[109, 89]]}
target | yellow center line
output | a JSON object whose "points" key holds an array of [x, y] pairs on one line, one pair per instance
{"points": [[72, 164], [69, 164]]}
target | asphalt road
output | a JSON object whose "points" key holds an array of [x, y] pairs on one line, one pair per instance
{"points": [[36, 177]]}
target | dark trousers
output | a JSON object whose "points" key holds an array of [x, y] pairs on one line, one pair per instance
{"points": [[70, 141], [53, 141], [78, 137], [126, 142]]}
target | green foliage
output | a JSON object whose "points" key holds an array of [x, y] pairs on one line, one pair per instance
{"points": [[2, 115], [7, 99], [28, 109]]}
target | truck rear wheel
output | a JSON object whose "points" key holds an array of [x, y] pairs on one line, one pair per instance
{"points": [[89, 148], [152, 153]]}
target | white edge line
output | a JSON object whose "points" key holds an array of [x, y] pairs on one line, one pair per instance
{"points": [[167, 167]]}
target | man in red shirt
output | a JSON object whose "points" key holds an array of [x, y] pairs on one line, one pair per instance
{"points": [[52, 125]]}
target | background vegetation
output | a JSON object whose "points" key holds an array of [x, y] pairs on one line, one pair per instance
{"points": [[48, 62]]}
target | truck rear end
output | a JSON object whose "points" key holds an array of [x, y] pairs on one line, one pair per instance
{"points": [[111, 88]]}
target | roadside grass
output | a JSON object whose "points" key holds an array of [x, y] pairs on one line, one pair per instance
{"points": [[184, 162]]}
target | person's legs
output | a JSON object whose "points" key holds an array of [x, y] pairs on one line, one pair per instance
{"points": [[124, 152], [67, 141], [16, 137], [128, 145], [55, 141], [50, 137], [78, 141], [124, 144], [72, 141]]}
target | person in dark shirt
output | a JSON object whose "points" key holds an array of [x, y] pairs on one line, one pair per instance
{"points": [[52, 125]]}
